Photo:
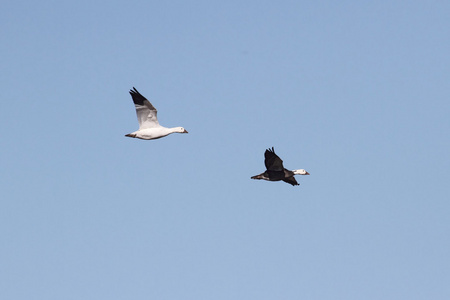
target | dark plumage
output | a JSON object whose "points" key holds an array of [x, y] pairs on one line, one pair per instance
{"points": [[275, 170], [138, 99]]}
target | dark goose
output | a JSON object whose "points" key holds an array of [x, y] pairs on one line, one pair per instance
{"points": [[275, 170]]}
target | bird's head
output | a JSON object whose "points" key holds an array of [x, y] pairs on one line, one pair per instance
{"points": [[181, 130], [300, 172]]}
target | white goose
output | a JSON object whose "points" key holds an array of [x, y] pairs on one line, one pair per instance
{"points": [[275, 170], [149, 128]]}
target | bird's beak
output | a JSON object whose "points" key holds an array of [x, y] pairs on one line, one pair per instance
{"points": [[307, 173], [185, 131]]}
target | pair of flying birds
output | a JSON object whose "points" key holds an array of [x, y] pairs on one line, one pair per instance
{"points": [[149, 129]]}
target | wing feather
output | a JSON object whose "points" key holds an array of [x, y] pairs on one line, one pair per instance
{"points": [[291, 180], [272, 161], [146, 113]]}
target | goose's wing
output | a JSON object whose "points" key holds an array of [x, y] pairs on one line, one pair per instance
{"points": [[272, 161], [291, 180], [145, 111]]}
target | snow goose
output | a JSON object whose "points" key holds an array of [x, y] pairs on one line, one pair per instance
{"points": [[149, 128], [275, 170]]}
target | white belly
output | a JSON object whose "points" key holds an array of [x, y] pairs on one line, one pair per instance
{"points": [[152, 133]]}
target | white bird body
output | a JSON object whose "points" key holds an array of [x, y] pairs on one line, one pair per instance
{"points": [[155, 133], [149, 128]]}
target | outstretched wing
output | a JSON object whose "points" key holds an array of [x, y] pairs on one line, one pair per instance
{"points": [[272, 161], [291, 180], [145, 111]]}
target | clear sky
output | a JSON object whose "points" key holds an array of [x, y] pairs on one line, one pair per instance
{"points": [[355, 92]]}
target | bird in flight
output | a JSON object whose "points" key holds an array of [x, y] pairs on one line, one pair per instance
{"points": [[149, 128], [275, 170]]}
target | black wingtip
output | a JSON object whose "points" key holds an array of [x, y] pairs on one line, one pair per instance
{"points": [[137, 97], [134, 91], [271, 150]]}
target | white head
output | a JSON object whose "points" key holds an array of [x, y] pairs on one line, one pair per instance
{"points": [[300, 172], [180, 130]]}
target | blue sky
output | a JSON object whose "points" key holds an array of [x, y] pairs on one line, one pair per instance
{"points": [[354, 92]]}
